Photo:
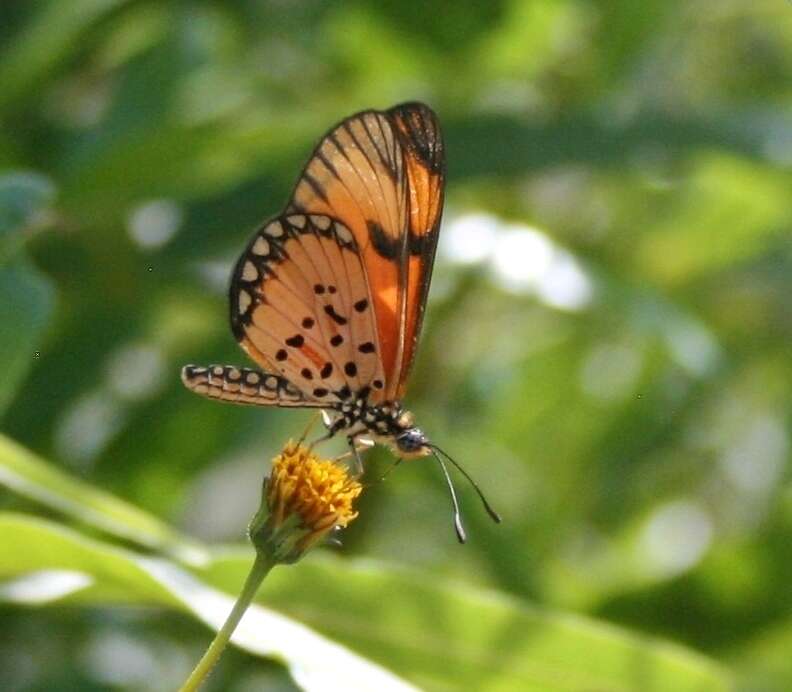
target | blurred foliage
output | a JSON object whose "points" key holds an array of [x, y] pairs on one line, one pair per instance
{"points": [[607, 347]]}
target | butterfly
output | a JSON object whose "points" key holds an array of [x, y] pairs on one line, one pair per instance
{"points": [[329, 296]]}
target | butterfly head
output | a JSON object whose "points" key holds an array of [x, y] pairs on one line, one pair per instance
{"points": [[412, 443], [407, 440]]}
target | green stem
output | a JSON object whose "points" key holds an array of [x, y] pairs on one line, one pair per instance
{"points": [[258, 571]]}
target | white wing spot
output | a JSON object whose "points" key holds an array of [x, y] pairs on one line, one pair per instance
{"points": [[321, 222], [297, 220], [234, 374], [218, 371], [261, 247], [244, 302], [271, 382], [274, 230], [253, 378], [343, 233], [249, 271]]}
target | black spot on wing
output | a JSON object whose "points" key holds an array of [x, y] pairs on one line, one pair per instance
{"points": [[338, 319], [420, 244], [384, 245], [296, 341]]}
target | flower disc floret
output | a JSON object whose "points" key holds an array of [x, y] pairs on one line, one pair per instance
{"points": [[306, 497]]}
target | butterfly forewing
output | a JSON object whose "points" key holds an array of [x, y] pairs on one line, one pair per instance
{"points": [[419, 132], [357, 175], [381, 175]]}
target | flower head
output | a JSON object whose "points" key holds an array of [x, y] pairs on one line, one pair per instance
{"points": [[304, 498]]}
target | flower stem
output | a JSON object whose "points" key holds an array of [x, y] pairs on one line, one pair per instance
{"points": [[261, 567]]}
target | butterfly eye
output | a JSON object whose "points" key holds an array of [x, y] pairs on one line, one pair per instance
{"points": [[413, 441]]}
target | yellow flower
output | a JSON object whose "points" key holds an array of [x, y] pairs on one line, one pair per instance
{"points": [[304, 498]]}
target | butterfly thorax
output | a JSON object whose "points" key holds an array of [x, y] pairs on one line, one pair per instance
{"points": [[387, 422]]}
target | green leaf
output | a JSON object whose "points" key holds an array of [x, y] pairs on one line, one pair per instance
{"points": [[26, 296], [733, 210], [450, 636], [26, 474], [26, 302], [45, 563], [400, 619], [23, 196], [46, 44], [438, 635]]}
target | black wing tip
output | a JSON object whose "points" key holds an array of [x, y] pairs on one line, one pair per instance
{"points": [[420, 132], [408, 107]]}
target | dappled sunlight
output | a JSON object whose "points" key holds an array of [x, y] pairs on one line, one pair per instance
{"points": [[676, 537], [755, 461], [136, 371], [42, 586], [315, 662], [610, 371], [523, 259], [153, 224], [87, 426]]}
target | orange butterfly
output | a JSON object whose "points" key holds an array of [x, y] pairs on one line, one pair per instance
{"points": [[328, 297]]}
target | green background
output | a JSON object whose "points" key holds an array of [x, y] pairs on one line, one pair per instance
{"points": [[607, 346]]}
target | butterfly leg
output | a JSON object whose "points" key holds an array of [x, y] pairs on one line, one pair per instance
{"points": [[308, 427], [333, 426], [356, 455], [355, 446]]}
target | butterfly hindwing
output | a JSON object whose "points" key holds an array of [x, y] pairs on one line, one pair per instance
{"points": [[301, 308], [243, 386]]}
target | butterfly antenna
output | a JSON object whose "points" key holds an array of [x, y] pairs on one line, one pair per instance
{"points": [[389, 469], [460, 530], [487, 506]]}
